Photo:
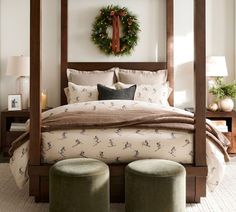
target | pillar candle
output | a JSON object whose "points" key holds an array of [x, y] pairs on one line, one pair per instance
{"points": [[43, 100]]}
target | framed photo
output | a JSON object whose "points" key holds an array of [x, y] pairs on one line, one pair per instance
{"points": [[14, 102]]}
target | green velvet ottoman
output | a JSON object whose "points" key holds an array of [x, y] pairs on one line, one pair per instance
{"points": [[79, 185], [155, 185]]}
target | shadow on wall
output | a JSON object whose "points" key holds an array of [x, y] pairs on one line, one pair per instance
{"points": [[184, 85]]}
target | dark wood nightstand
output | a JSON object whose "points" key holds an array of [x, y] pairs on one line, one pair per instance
{"points": [[230, 118], [7, 136]]}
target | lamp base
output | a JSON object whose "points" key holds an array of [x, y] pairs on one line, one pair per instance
{"points": [[23, 89]]}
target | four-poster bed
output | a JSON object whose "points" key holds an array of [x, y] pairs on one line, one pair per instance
{"points": [[196, 173]]}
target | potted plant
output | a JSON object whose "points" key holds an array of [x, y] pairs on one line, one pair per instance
{"points": [[224, 93]]}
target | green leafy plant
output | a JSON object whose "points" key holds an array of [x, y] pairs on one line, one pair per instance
{"points": [[222, 90]]}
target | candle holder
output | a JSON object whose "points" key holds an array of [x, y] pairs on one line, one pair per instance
{"points": [[44, 99]]}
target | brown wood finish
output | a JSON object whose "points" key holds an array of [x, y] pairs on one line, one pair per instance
{"points": [[35, 80], [230, 118], [35, 97], [200, 92], [38, 173], [64, 48], [90, 66], [232, 148], [170, 45], [200, 81], [7, 136]]}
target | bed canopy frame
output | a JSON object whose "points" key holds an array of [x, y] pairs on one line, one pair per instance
{"points": [[196, 172]]}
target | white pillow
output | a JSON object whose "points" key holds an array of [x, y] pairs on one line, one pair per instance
{"points": [[79, 93], [67, 93], [92, 78], [150, 93], [141, 77]]}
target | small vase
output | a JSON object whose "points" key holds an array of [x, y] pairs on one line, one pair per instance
{"points": [[226, 104], [213, 107]]}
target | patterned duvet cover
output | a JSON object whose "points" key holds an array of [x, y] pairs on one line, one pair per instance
{"points": [[116, 145]]}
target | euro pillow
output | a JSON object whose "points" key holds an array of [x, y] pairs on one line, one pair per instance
{"points": [[150, 93], [141, 77], [105, 93], [91, 78]]}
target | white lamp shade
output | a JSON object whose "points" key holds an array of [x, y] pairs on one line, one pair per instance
{"points": [[216, 66], [18, 66]]}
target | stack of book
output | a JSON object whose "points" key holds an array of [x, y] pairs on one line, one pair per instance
{"points": [[220, 125], [18, 127]]}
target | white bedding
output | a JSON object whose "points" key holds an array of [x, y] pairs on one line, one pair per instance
{"points": [[118, 145]]}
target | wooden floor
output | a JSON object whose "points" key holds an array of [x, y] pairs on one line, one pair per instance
{"points": [[14, 200]]}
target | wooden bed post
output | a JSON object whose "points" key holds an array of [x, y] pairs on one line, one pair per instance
{"points": [[64, 46], [200, 82], [35, 97], [200, 93], [170, 45]]}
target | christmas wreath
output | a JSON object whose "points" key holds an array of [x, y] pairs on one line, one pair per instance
{"points": [[115, 16]]}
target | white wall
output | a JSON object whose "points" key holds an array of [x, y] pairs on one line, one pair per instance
{"points": [[221, 32], [14, 35], [183, 54], [51, 50], [151, 15], [14, 40]]}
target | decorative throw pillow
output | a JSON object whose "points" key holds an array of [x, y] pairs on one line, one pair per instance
{"points": [[91, 78], [78, 93], [150, 93], [67, 93], [106, 93], [142, 77]]}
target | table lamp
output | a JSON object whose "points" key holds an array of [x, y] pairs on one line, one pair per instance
{"points": [[19, 66], [215, 67]]}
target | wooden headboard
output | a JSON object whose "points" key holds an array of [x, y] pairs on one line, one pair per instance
{"points": [[89, 66]]}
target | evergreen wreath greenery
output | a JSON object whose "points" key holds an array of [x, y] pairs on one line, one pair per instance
{"points": [[130, 29]]}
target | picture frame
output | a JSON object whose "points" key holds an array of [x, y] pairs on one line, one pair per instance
{"points": [[14, 102]]}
